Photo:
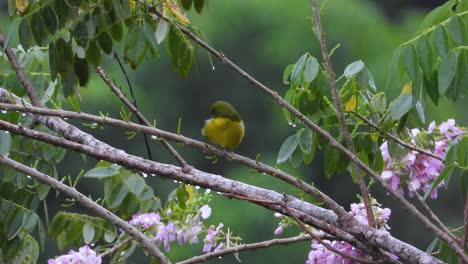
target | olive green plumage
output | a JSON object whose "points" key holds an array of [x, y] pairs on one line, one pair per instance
{"points": [[226, 127]]}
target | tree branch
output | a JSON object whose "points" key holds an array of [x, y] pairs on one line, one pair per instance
{"points": [[90, 205], [30, 91], [396, 139], [116, 247], [465, 223], [434, 216], [217, 183], [339, 113], [134, 103], [244, 247], [323, 133], [140, 116], [315, 237]]}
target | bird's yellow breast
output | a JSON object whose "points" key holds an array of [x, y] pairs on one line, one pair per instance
{"points": [[224, 131]]}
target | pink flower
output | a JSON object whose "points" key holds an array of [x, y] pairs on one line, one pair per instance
{"points": [[145, 220], [85, 255], [279, 230], [322, 255], [418, 170], [211, 237]]}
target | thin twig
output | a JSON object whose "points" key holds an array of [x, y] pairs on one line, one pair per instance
{"points": [[317, 238], [434, 216], [30, 91], [130, 88], [116, 247], [396, 139], [465, 223], [140, 116], [89, 204], [339, 112], [244, 247], [323, 133]]}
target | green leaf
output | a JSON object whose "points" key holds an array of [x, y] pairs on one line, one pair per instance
{"points": [[181, 51], [420, 110], [199, 5], [459, 87], [444, 174], [447, 71], [42, 190], [105, 42], [287, 73], [353, 69], [186, 4], [28, 251], [462, 152], [151, 40], [365, 78], [182, 196], [5, 143], [14, 222], [287, 148], [309, 157], [135, 46], [117, 195], [116, 31], [296, 158], [447, 254], [82, 71], [311, 69], [410, 61], [332, 157], [93, 54], [39, 29], [456, 29], [431, 246], [30, 220], [400, 106], [88, 233], [440, 38], [438, 15], [305, 140], [103, 172], [297, 71], [25, 34], [426, 56], [109, 236], [136, 184], [396, 151], [462, 6], [50, 19], [464, 183]]}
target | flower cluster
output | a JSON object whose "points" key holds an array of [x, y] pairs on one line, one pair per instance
{"points": [[145, 220], [182, 232], [381, 215], [85, 255], [212, 238], [416, 169], [321, 255]]}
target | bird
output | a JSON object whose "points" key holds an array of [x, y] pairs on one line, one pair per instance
{"points": [[225, 128]]}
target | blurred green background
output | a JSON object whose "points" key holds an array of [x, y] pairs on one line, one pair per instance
{"points": [[262, 37]]}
